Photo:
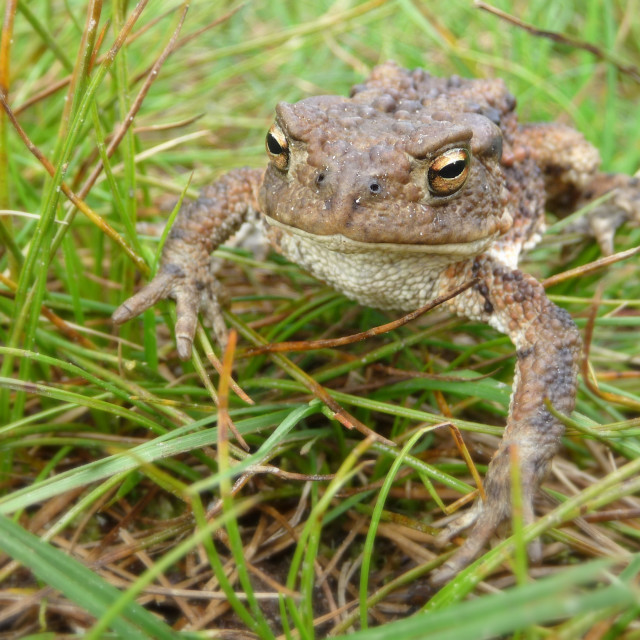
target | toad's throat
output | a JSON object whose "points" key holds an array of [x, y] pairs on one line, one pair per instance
{"points": [[381, 275]]}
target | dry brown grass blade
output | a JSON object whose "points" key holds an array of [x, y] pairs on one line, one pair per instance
{"points": [[462, 447], [14, 604], [63, 82], [627, 69], [340, 414], [290, 475], [77, 202], [274, 584], [54, 318], [462, 502], [97, 554], [464, 452], [143, 557], [613, 515], [370, 486], [168, 125], [224, 419], [308, 345], [154, 72], [151, 24], [6, 40], [51, 508], [42, 95], [98, 44], [217, 365], [601, 263], [359, 527], [460, 444], [82, 67], [618, 375], [207, 27], [406, 373]]}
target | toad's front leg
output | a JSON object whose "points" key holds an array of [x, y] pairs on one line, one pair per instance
{"points": [[548, 349], [185, 274]]}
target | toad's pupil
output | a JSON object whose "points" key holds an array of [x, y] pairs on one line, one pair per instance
{"points": [[452, 170], [273, 145]]}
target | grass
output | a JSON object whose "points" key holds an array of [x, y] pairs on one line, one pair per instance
{"points": [[124, 510]]}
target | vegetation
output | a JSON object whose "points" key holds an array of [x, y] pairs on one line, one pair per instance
{"points": [[124, 509]]}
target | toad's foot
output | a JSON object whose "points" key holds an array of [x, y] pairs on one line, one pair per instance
{"points": [[486, 516], [621, 204], [191, 296]]}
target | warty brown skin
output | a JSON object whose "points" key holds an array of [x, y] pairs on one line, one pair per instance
{"points": [[398, 194]]}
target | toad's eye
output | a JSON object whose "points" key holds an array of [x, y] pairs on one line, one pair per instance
{"points": [[278, 147], [448, 172]]}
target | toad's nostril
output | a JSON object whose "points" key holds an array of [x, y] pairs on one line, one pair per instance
{"points": [[320, 178], [375, 187]]}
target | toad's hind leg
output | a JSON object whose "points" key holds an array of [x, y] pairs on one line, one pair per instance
{"points": [[548, 349], [620, 203], [570, 167]]}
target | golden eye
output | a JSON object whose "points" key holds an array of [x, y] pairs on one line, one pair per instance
{"points": [[448, 172], [277, 147]]}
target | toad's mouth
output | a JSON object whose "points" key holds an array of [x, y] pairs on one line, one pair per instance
{"points": [[341, 244]]}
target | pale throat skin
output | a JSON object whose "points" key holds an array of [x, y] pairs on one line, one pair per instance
{"points": [[412, 186]]}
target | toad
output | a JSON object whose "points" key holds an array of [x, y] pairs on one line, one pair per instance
{"points": [[408, 188]]}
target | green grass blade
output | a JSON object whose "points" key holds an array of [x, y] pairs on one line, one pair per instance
{"points": [[492, 616], [79, 583]]}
